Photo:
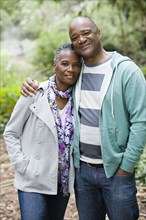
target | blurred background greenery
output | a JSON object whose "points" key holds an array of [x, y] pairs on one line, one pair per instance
{"points": [[31, 30]]}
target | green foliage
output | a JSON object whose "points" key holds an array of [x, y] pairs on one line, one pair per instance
{"points": [[141, 170], [44, 54], [143, 68], [11, 81], [132, 33], [5, 20], [10, 16], [9, 5], [9, 96], [32, 19]]}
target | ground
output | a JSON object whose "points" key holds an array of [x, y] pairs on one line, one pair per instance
{"points": [[9, 209]]}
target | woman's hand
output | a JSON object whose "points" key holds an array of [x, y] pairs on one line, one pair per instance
{"points": [[29, 87]]}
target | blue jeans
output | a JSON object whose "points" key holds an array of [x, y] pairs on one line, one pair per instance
{"points": [[97, 195], [36, 206]]}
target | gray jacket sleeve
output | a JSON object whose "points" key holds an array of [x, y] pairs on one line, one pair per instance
{"points": [[13, 131]]}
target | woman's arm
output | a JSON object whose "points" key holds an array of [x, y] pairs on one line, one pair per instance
{"points": [[13, 132]]}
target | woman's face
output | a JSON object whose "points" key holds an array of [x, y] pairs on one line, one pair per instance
{"points": [[67, 69]]}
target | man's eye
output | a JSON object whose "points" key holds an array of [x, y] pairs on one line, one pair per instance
{"points": [[74, 38], [64, 64], [87, 33], [77, 65]]}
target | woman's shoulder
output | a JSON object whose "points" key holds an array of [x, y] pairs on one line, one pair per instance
{"points": [[26, 101], [44, 85]]}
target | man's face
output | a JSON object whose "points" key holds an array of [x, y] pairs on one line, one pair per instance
{"points": [[85, 38]]}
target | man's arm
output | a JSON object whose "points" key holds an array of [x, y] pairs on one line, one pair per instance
{"points": [[29, 87], [135, 99]]}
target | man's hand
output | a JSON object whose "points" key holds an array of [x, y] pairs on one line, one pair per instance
{"points": [[29, 87], [123, 172]]}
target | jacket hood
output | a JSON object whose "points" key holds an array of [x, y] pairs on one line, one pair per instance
{"points": [[117, 59]]}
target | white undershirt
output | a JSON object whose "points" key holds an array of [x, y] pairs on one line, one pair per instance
{"points": [[62, 113]]}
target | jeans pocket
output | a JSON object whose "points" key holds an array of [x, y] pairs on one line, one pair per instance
{"points": [[122, 178]]}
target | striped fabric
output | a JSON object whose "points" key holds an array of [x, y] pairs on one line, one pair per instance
{"points": [[95, 81]]}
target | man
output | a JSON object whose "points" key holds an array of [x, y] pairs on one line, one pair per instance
{"points": [[110, 131]]}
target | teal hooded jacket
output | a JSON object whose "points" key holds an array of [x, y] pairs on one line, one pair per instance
{"points": [[122, 118]]}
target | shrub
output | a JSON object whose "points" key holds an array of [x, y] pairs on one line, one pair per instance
{"points": [[11, 81], [46, 47], [9, 96], [141, 170], [143, 69]]}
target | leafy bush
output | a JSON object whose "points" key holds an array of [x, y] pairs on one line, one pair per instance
{"points": [[9, 96], [141, 170], [46, 47], [12, 77], [143, 69], [11, 81]]}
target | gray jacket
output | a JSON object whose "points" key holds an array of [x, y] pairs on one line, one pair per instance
{"points": [[32, 144]]}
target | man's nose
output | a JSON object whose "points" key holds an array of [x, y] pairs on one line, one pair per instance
{"points": [[81, 39]]}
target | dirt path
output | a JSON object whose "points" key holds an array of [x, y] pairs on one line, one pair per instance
{"points": [[9, 209]]}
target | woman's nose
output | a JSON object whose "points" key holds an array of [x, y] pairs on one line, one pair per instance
{"points": [[70, 67]]}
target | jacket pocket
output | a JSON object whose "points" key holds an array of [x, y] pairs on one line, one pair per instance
{"points": [[31, 171], [21, 165], [114, 136]]}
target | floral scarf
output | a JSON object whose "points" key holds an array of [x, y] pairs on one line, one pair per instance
{"points": [[65, 134]]}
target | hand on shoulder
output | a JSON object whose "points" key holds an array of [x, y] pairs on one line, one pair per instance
{"points": [[29, 87]]}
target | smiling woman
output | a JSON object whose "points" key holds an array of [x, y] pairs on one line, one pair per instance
{"points": [[39, 139]]}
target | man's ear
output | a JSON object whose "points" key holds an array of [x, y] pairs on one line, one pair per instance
{"points": [[99, 34]]}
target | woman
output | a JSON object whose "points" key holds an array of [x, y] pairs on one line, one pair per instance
{"points": [[39, 138]]}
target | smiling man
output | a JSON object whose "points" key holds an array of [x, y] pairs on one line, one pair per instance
{"points": [[110, 97]]}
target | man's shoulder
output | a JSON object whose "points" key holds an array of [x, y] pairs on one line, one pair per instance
{"points": [[122, 62]]}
